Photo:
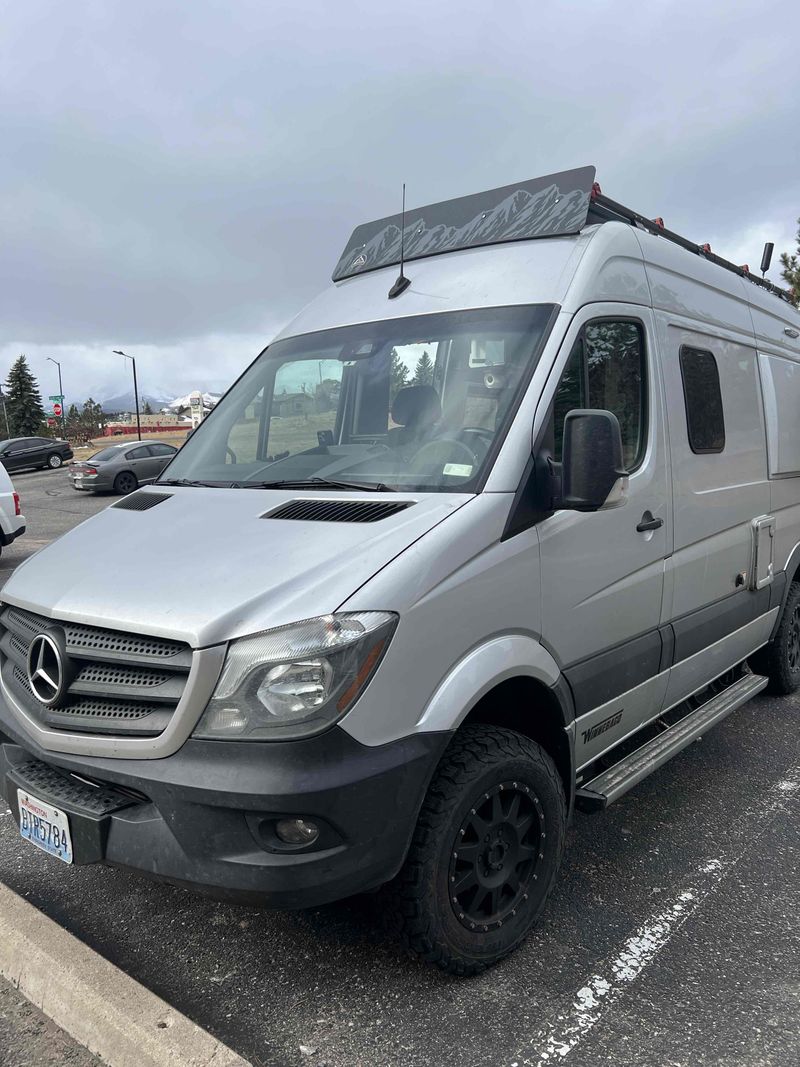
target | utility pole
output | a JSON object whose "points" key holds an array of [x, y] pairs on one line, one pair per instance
{"points": [[135, 390], [3, 401], [61, 394]]}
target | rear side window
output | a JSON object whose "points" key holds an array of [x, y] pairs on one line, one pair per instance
{"points": [[106, 453], [161, 450], [606, 370], [705, 421], [139, 453]]}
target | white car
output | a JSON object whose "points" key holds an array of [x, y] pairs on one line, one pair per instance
{"points": [[12, 521]]}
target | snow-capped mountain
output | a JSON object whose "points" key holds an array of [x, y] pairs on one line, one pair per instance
{"points": [[126, 402], [180, 402]]}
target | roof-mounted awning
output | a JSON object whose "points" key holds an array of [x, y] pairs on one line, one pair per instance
{"points": [[551, 206]]}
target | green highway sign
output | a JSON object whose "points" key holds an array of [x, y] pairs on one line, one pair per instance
{"points": [[57, 398]]}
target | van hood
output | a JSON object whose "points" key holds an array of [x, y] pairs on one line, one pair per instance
{"points": [[208, 565]]}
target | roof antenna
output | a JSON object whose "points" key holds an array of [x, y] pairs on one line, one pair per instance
{"points": [[402, 282], [766, 258]]}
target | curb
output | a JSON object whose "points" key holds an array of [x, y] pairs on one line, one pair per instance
{"points": [[99, 1005]]}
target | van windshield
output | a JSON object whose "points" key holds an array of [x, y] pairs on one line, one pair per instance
{"points": [[411, 403]]}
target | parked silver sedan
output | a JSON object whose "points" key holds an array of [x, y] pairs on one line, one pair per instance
{"points": [[121, 468]]}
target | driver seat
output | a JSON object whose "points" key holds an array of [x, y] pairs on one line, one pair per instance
{"points": [[415, 409]]}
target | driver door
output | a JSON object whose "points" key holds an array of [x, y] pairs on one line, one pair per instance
{"points": [[602, 573]]}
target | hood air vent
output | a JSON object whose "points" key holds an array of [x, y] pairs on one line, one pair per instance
{"points": [[141, 501], [338, 510]]}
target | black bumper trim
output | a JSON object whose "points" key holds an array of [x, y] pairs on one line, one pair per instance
{"points": [[7, 539], [198, 821]]}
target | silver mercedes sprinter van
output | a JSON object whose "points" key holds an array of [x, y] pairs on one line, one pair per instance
{"points": [[503, 520]]}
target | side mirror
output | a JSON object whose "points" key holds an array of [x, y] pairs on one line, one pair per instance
{"points": [[592, 472]]}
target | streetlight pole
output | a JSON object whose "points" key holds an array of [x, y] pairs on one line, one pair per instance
{"points": [[4, 401], [61, 394], [135, 390]]}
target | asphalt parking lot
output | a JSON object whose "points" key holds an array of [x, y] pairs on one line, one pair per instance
{"points": [[672, 936]]}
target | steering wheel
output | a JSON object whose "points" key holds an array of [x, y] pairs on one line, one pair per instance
{"points": [[486, 437], [440, 452], [482, 431]]}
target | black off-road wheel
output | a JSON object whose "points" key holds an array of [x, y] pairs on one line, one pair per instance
{"points": [[125, 483], [484, 854], [780, 659]]}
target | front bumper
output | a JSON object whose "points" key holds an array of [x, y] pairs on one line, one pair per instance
{"points": [[10, 537], [204, 817]]}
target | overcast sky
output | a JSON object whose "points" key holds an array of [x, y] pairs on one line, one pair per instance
{"points": [[179, 179]]}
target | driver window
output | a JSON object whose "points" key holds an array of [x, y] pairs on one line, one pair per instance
{"points": [[606, 370], [411, 365]]}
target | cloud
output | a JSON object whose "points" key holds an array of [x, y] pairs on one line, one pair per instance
{"points": [[180, 179]]}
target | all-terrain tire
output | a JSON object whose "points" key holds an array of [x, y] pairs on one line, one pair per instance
{"points": [[780, 659], [483, 767]]}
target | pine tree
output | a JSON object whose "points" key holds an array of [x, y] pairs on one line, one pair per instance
{"points": [[147, 410], [24, 407], [791, 271], [398, 375], [72, 421], [92, 418], [423, 375]]}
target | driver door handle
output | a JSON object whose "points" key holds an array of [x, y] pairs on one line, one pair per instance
{"points": [[648, 523]]}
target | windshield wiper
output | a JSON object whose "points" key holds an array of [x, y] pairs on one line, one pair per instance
{"points": [[189, 481], [317, 483]]}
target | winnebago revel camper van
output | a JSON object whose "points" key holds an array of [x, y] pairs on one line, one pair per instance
{"points": [[503, 520]]}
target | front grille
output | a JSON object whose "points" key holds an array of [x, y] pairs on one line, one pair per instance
{"points": [[122, 684]]}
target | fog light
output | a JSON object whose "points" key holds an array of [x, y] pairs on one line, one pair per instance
{"points": [[297, 831]]}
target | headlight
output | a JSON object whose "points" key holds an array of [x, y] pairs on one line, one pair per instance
{"points": [[296, 680]]}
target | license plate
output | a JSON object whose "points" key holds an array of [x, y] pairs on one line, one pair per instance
{"points": [[44, 826]]}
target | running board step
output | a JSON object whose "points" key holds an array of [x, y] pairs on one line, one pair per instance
{"points": [[613, 783]]}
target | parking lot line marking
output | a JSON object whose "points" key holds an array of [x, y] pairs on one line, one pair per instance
{"points": [[595, 997], [99, 1005]]}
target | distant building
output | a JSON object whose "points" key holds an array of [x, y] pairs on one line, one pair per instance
{"points": [[287, 404]]}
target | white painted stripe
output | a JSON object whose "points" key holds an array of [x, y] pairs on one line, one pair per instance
{"points": [[595, 997], [103, 1008]]}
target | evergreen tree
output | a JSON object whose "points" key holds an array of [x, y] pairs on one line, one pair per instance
{"points": [[791, 271], [24, 407], [398, 375], [73, 420], [92, 418], [147, 410], [423, 375]]}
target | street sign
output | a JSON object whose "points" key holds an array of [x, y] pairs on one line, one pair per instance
{"points": [[56, 410], [59, 399]]}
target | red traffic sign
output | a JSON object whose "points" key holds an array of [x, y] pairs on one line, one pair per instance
{"points": [[57, 410]]}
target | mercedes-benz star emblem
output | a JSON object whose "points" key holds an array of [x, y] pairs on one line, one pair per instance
{"points": [[46, 673]]}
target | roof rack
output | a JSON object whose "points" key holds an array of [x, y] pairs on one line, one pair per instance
{"points": [[602, 209]]}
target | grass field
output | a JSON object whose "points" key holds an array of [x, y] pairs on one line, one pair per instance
{"points": [[172, 438], [292, 434]]}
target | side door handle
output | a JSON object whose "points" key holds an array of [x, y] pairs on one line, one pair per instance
{"points": [[648, 522]]}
